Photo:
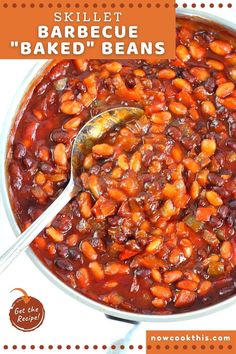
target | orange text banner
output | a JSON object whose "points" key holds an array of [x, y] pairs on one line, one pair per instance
{"points": [[190, 342], [126, 29]]}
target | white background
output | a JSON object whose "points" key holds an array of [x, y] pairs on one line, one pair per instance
{"points": [[67, 321]]}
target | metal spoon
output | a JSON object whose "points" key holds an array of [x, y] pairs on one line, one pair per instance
{"points": [[87, 137]]}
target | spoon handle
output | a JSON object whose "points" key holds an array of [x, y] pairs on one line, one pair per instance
{"points": [[37, 226]]}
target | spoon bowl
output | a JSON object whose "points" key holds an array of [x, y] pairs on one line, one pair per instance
{"points": [[86, 138], [95, 129]]}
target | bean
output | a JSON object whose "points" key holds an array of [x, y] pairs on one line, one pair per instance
{"points": [[185, 298], [166, 74], [114, 268], [123, 162], [85, 204], [156, 275], [75, 254], [230, 220], [97, 270], [139, 72], [72, 240], [64, 264], [210, 85], [197, 51], [117, 172], [182, 84], [201, 74], [215, 222], [155, 245], [154, 167], [187, 247], [204, 288], [62, 223], [200, 93], [117, 195], [177, 153], [230, 103], [40, 179], [59, 70], [208, 108], [40, 242], [159, 303], [223, 211], [113, 67], [88, 251], [182, 53], [226, 250], [83, 278], [161, 117], [71, 107], [67, 96], [225, 89], [231, 59], [178, 108], [175, 256], [162, 292], [232, 204], [188, 100], [172, 276], [213, 198], [194, 190], [208, 146], [44, 153], [59, 154], [192, 276], [72, 123], [215, 64], [111, 284], [113, 299], [130, 82], [94, 186], [62, 250], [136, 162], [103, 150], [88, 161], [187, 285], [232, 73], [48, 188], [220, 47], [54, 234], [214, 179], [60, 136]]}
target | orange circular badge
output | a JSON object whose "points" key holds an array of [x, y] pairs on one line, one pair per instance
{"points": [[27, 313]]}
